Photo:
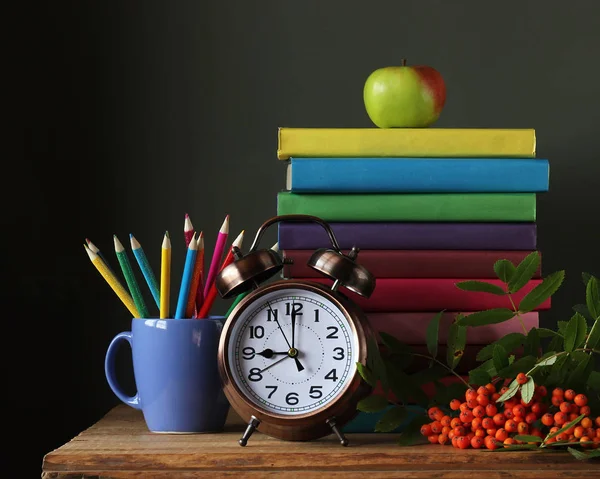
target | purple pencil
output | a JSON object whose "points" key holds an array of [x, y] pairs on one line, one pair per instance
{"points": [[215, 261]]}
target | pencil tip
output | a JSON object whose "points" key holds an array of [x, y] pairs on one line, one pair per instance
{"points": [[130, 236], [87, 241]]}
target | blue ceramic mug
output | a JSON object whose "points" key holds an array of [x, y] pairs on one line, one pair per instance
{"points": [[179, 389]]}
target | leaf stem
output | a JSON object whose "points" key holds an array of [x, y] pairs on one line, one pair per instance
{"points": [[439, 362], [584, 349], [516, 310]]}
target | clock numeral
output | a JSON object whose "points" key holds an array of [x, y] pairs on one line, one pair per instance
{"points": [[274, 388], [292, 399], [296, 308], [340, 354], [255, 375], [248, 353], [332, 375], [315, 392], [316, 315], [272, 314], [256, 332], [333, 334]]}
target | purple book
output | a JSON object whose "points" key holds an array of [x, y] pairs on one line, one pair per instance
{"points": [[415, 236]]}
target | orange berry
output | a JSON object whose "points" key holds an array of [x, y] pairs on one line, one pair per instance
{"points": [[537, 408], [459, 431], [585, 410], [560, 418], [481, 433], [579, 432], [439, 414], [432, 411], [527, 404], [463, 407], [541, 390], [565, 407], [451, 434], [436, 427], [597, 421], [454, 404], [464, 442], [446, 430], [590, 432], [445, 421], [487, 423], [466, 417], [570, 394], [495, 397], [476, 423], [510, 425], [491, 388], [491, 431], [556, 400], [573, 416], [479, 412], [482, 390], [512, 402], [548, 419], [536, 432], [454, 442], [503, 389], [491, 443], [522, 428], [501, 434], [426, 430], [531, 418], [574, 409], [580, 400], [558, 392], [509, 414], [455, 422], [477, 442], [585, 439], [499, 419], [509, 441], [483, 400], [470, 393], [562, 437], [586, 422], [471, 435], [472, 403], [521, 378], [491, 410], [598, 432], [433, 439], [519, 410], [443, 439]]}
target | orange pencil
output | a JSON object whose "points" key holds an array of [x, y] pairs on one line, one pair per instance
{"points": [[196, 278], [212, 292]]}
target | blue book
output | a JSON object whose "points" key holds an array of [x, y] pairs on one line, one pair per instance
{"points": [[417, 175]]}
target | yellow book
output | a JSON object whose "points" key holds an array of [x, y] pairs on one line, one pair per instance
{"points": [[405, 142]]}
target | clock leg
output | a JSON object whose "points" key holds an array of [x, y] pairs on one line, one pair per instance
{"points": [[331, 423], [252, 425]]}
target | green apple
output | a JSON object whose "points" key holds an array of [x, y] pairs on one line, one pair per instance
{"points": [[404, 96]]}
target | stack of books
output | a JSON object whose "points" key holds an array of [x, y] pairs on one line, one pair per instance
{"points": [[428, 208]]}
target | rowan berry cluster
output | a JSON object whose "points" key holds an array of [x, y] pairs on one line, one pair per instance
{"points": [[480, 421]]}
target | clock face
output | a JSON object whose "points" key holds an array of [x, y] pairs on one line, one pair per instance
{"points": [[292, 351]]}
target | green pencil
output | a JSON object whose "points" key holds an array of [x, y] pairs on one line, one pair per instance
{"points": [[134, 289]]}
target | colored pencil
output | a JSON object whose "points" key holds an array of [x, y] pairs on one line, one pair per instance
{"points": [[188, 230], [196, 285], [132, 283], [146, 269], [200, 260], [241, 296], [112, 281], [186, 279], [165, 277], [95, 249], [217, 255], [212, 292]]}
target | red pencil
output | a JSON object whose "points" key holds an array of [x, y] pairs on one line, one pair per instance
{"points": [[188, 230], [217, 255], [212, 291], [199, 298]]}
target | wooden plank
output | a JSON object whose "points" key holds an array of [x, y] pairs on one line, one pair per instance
{"points": [[120, 446]]}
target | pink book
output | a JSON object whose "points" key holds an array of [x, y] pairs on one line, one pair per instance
{"points": [[411, 327]]}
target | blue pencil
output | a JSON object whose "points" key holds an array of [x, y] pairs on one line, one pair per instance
{"points": [[146, 269], [186, 279]]}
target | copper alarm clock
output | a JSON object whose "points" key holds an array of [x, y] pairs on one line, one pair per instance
{"points": [[288, 350]]}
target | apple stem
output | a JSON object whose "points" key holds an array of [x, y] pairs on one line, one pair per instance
{"points": [[404, 62]]}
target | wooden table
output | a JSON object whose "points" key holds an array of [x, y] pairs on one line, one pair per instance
{"points": [[120, 446]]}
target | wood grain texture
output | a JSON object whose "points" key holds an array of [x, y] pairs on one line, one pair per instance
{"points": [[120, 446]]}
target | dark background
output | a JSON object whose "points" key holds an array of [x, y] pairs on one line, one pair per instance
{"points": [[135, 113]]}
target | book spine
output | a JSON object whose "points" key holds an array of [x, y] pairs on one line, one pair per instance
{"points": [[417, 175], [413, 263], [412, 327], [427, 294], [411, 236], [475, 207], [406, 142]]}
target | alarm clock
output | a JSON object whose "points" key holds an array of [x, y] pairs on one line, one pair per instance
{"points": [[288, 350]]}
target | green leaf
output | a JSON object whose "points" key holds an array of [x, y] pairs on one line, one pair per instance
{"points": [[479, 377], [532, 345], [457, 338], [547, 361], [583, 310], [366, 374], [373, 403], [527, 438], [546, 333], [562, 327], [500, 357], [542, 291], [592, 297], [575, 332], [509, 342], [403, 386], [412, 432], [580, 374], [489, 316], [562, 429], [393, 344], [586, 277], [556, 343], [432, 334], [375, 363], [481, 287], [504, 269], [558, 373], [428, 375], [593, 339], [594, 381], [523, 364], [582, 456], [510, 392], [444, 394], [391, 419], [524, 272], [527, 390]]}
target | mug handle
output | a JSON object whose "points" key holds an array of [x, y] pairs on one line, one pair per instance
{"points": [[109, 371]]}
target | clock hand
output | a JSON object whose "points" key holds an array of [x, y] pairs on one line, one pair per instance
{"points": [[273, 364], [279, 325], [269, 353], [295, 355], [293, 325]]}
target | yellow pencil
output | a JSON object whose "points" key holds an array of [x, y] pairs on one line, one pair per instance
{"points": [[112, 281], [165, 277]]}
